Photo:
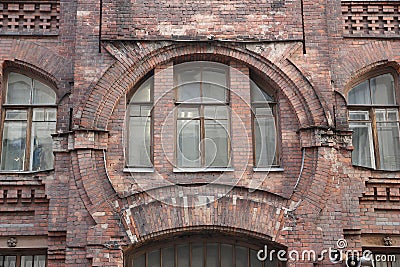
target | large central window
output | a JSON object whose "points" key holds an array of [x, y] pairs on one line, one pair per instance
{"points": [[374, 119], [202, 100]]}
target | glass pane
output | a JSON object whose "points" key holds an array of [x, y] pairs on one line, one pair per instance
{"points": [[40, 261], [136, 110], [189, 85], [38, 114], [183, 255], [382, 89], [254, 261], [226, 255], [27, 261], [258, 95], [139, 142], [188, 112], [265, 111], [168, 257], [188, 151], [360, 94], [140, 261], [42, 145], [197, 255], [359, 115], [154, 258], [214, 86], [363, 153], [143, 93], [215, 112], [396, 263], [379, 263], [265, 143], [392, 115], [215, 76], [19, 89], [13, 149], [241, 256], [16, 115], [214, 93], [212, 255], [42, 94], [389, 145], [1, 261], [216, 143], [10, 261]]}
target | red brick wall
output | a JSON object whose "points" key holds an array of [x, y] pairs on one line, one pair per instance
{"points": [[91, 211], [250, 20]]}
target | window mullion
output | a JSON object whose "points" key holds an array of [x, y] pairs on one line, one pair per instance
{"points": [[202, 136], [28, 140], [375, 138]]}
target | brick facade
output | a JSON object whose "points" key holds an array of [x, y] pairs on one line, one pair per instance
{"points": [[90, 210]]}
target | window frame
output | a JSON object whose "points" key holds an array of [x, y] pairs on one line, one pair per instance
{"points": [[29, 121], [274, 106], [200, 105], [189, 240], [129, 167], [18, 253], [372, 108]]}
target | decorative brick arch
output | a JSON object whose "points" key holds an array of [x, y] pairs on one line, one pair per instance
{"points": [[51, 65], [233, 213], [135, 60], [361, 59]]}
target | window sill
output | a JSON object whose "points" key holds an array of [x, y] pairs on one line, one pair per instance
{"points": [[268, 169], [221, 169], [24, 172], [138, 170]]}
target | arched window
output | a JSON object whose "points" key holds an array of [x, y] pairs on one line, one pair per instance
{"points": [[203, 139], [374, 119], [264, 128], [201, 252], [140, 125], [30, 114]]}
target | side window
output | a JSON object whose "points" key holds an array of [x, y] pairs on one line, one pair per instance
{"points": [[29, 119], [203, 135], [140, 126], [374, 118], [22, 259], [265, 146]]}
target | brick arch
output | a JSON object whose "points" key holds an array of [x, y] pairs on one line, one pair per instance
{"points": [[238, 212], [55, 67], [135, 60], [361, 59]]}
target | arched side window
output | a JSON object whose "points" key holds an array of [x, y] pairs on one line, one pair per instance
{"points": [[30, 114], [264, 128], [373, 115], [202, 99], [140, 126]]}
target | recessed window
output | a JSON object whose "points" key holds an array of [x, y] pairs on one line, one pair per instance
{"points": [[199, 253], [140, 126], [203, 135], [374, 118], [29, 119], [264, 128], [22, 260]]}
